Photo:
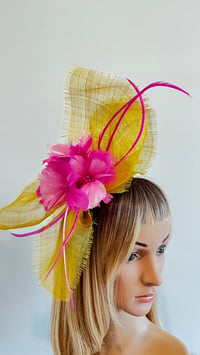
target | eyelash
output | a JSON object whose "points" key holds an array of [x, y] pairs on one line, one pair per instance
{"points": [[135, 255]]}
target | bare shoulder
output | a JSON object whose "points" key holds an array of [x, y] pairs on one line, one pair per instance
{"points": [[165, 343]]}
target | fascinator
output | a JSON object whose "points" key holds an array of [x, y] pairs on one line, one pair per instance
{"points": [[109, 136]]}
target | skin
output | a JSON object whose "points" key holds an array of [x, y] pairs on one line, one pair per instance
{"points": [[140, 275]]}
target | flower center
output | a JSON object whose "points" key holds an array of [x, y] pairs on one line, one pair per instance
{"points": [[66, 187], [87, 178]]}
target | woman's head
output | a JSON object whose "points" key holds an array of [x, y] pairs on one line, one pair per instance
{"points": [[117, 226]]}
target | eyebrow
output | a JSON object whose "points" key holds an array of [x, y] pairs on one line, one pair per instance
{"points": [[145, 245]]}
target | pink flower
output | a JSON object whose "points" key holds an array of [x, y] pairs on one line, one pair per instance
{"points": [[57, 185], [67, 150], [59, 150], [83, 147], [93, 172], [76, 175], [96, 193]]}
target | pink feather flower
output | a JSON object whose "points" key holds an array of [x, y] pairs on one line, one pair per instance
{"points": [[93, 173], [57, 185], [65, 151], [76, 174]]}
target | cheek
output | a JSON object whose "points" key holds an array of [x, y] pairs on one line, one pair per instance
{"points": [[126, 283], [161, 264], [119, 293]]}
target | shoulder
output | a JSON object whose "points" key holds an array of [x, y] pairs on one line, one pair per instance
{"points": [[165, 343], [173, 344]]}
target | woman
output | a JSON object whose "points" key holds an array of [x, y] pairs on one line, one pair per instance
{"points": [[88, 200], [115, 299]]}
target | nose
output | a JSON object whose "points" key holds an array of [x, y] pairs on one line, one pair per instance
{"points": [[152, 272]]}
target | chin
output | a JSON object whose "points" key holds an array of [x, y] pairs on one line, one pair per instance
{"points": [[139, 311]]}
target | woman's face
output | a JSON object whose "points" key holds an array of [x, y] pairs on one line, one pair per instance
{"points": [[139, 278]]}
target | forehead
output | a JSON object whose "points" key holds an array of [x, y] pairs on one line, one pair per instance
{"points": [[153, 234]]}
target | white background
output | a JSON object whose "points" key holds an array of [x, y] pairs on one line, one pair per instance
{"points": [[146, 41]]}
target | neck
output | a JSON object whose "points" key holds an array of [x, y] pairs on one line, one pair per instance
{"points": [[130, 331]]}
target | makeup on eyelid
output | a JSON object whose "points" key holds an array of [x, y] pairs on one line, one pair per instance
{"points": [[137, 252]]}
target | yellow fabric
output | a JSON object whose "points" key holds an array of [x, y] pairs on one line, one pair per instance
{"points": [[91, 99], [47, 246], [26, 211]]}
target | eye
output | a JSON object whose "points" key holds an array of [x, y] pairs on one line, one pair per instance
{"points": [[133, 256], [161, 250]]}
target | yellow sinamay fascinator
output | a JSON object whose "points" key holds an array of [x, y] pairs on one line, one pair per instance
{"points": [[109, 137]]}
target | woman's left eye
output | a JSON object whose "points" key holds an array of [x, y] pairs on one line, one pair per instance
{"points": [[161, 250]]}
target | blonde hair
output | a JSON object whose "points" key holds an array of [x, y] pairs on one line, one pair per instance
{"points": [[81, 331]]}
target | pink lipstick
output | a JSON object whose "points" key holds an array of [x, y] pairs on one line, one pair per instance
{"points": [[145, 298]]}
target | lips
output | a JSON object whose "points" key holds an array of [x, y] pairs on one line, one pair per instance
{"points": [[147, 295], [145, 298]]}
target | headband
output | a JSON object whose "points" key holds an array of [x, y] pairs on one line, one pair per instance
{"points": [[109, 136]]}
